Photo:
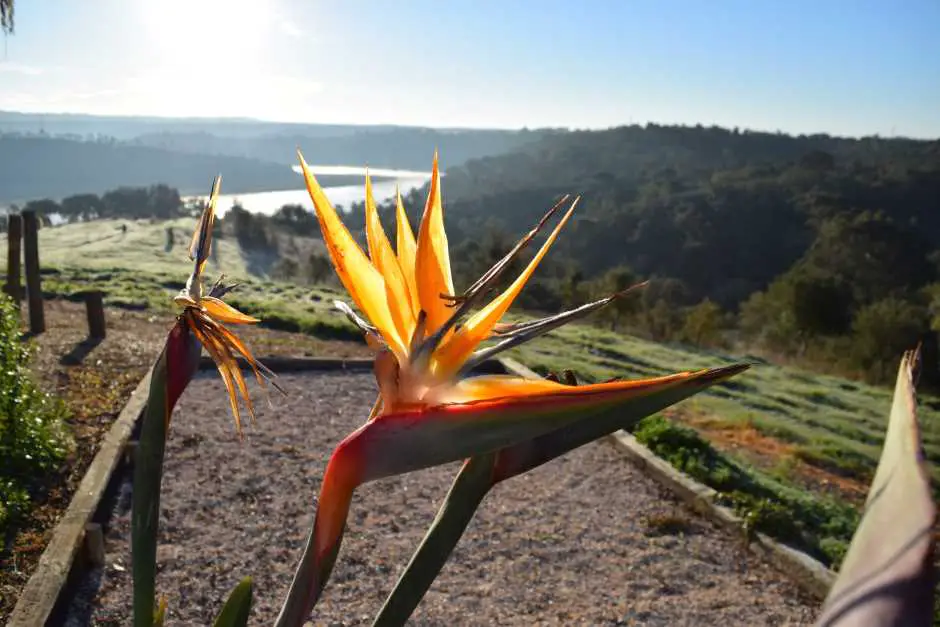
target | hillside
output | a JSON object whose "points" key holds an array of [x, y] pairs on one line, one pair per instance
{"points": [[379, 146], [138, 266], [817, 249], [402, 148], [48, 167]]}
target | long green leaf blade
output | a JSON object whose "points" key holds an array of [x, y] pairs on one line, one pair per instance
{"points": [[238, 606], [887, 577]]}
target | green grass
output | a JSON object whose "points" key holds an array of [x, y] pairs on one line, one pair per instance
{"points": [[101, 244], [835, 423]]}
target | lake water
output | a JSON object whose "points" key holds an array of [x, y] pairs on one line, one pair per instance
{"points": [[269, 202]]}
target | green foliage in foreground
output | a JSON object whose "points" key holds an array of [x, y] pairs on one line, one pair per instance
{"points": [[822, 526], [32, 437]]}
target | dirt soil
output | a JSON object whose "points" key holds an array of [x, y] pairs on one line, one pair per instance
{"points": [[95, 380], [583, 540]]}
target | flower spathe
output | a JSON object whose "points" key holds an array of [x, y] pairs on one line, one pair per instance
{"points": [[427, 338]]}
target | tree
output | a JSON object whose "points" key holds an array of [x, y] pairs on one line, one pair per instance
{"points": [[821, 305], [871, 253], [6, 16], [296, 219], [82, 207], [319, 268], [702, 325], [883, 330], [615, 280], [44, 209]]}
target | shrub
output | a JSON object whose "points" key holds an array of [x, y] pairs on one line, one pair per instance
{"points": [[33, 441]]}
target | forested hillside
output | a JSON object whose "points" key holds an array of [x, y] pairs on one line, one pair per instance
{"points": [[821, 248], [817, 249]]}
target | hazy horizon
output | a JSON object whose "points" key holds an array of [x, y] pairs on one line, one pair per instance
{"points": [[799, 68]]}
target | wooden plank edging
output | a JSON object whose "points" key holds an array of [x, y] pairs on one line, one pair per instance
{"points": [[38, 599], [809, 573]]}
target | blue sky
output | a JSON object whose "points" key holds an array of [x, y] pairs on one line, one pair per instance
{"points": [[847, 67]]}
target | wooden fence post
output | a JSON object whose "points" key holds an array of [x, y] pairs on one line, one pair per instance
{"points": [[13, 286], [94, 306], [37, 320]]}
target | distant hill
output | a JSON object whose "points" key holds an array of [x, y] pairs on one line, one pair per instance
{"points": [[45, 167], [124, 128], [401, 147], [821, 249], [632, 154], [62, 154]]}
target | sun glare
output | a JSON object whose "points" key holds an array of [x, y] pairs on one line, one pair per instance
{"points": [[198, 33]]}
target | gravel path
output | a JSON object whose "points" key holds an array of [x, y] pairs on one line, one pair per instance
{"points": [[584, 540]]}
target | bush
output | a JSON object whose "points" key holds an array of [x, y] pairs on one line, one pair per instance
{"points": [[32, 434]]}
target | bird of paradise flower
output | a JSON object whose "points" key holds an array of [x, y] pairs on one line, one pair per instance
{"points": [[427, 340]]}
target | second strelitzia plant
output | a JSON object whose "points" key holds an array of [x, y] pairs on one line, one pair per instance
{"points": [[200, 324], [428, 338]]}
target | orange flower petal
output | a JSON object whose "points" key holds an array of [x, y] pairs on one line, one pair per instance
{"points": [[383, 258], [361, 279], [432, 263], [507, 389], [407, 249], [225, 313], [453, 352]]}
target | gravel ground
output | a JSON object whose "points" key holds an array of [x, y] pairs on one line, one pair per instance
{"points": [[584, 540], [95, 379]]}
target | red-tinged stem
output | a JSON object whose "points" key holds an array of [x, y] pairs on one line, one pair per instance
{"points": [[182, 358], [343, 475]]}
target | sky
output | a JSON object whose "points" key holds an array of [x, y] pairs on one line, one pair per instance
{"points": [[844, 67]]}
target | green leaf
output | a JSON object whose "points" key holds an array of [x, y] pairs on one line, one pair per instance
{"points": [[480, 473], [145, 508], [887, 577], [236, 609]]}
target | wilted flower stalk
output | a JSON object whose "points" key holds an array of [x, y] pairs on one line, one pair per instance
{"points": [[200, 324]]}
